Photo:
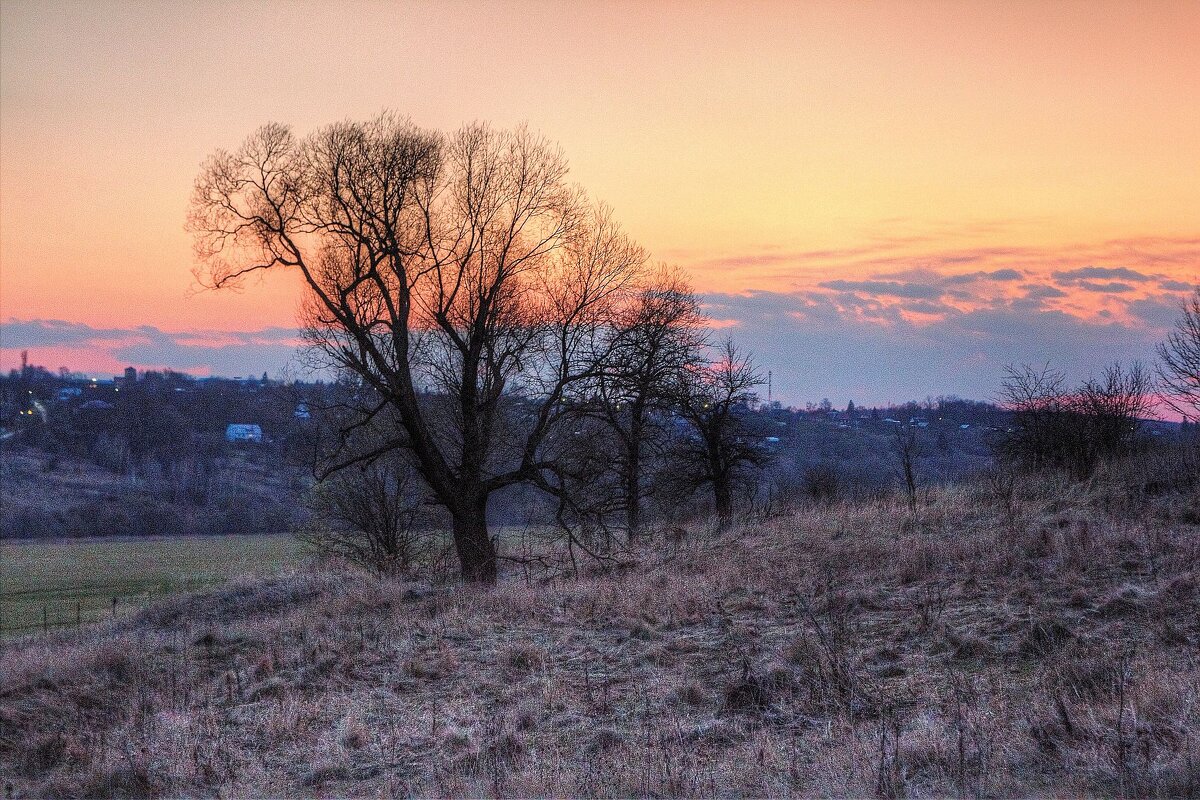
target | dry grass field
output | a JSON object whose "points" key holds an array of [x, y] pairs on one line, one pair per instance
{"points": [[1043, 646]]}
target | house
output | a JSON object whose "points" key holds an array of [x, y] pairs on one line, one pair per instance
{"points": [[243, 433]]}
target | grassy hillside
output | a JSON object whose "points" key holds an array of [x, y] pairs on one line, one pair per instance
{"points": [[57, 495], [1050, 646]]}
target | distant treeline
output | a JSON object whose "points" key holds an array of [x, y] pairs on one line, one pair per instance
{"points": [[158, 460]]}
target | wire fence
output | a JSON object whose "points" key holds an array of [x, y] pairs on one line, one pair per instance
{"points": [[34, 610]]}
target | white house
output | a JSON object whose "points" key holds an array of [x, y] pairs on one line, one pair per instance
{"points": [[243, 433]]}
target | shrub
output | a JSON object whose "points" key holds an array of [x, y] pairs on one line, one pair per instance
{"points": [[821, 483]]}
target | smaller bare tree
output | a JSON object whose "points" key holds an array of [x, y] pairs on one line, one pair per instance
{"points": [[1057, 428], [715, 402], [1179, 362], [908, 447], [1114, 406], [658, 337]]}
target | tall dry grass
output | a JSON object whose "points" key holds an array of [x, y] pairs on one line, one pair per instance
{"points": [[1042, 641]]}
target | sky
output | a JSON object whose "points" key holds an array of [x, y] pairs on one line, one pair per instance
{"points": [[883, 201]]}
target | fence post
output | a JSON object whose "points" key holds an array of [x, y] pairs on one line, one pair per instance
{"points": [[45, 619]]}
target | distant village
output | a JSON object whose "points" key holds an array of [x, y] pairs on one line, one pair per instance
{"points": [[259, 410]]}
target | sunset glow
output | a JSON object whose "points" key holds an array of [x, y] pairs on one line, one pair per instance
{"points": [[881, 200]]}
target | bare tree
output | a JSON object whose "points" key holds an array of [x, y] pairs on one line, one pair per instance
{"points": [[659, 339], [470, 288], [714, 401], [1114, 406], [1179, 362], [908, 447], [1038, 401], [1073, 430]]}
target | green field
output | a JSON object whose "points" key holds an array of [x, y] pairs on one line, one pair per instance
{"points": [[57, 583]]}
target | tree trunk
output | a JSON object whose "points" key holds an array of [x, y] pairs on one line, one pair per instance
{"points": [[476, 553], [722, 499], [633, 481], [721, 475], [633, 512], [910, 483]]}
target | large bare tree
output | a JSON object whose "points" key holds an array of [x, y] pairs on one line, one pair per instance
{"points": [[1179, 361], [460, 277]]}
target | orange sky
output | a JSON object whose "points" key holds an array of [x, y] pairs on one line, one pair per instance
{"points": [[775, 147]]}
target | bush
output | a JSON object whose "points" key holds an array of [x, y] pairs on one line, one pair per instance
{"points": [[821, 483], [368, 516]]}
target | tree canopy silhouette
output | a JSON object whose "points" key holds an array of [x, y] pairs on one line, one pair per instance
{"points": [[470, 288], [1179, 361]]}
